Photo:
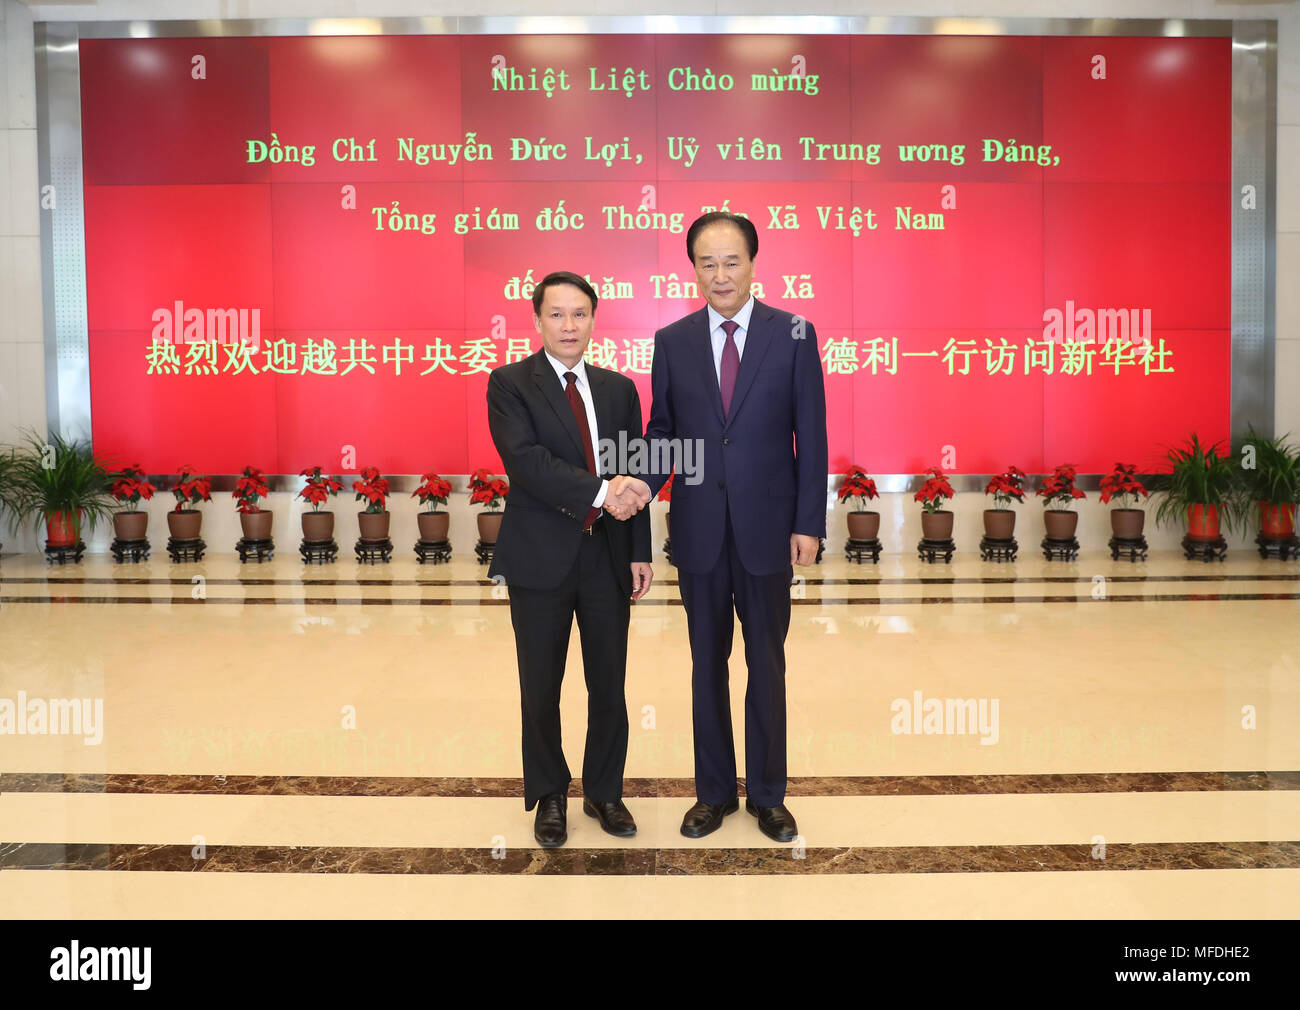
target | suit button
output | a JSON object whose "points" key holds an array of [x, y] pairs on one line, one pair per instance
{"points": [[726, 441], [722, 483]]}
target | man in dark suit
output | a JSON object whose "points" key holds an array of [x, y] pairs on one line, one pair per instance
{"points": [[560, 556], [744, 380]]}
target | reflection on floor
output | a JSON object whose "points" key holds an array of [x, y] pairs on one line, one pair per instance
{"points": [[964, 740]]}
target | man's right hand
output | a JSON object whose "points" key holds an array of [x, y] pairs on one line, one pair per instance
{"points": [[626, 497]]}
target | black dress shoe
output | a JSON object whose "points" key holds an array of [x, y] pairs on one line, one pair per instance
{"points": [[614, 817], [703, 818], [775, 822], [549, 827]]}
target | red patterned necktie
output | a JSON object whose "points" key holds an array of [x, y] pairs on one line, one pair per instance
{"points": [[580, 415], [730, 365]]}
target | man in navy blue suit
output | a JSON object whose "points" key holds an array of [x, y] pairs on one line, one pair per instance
{"points": [[744, 381]]}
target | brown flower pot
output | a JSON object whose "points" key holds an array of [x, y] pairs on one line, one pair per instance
{"points": [[1203, 522], [937, 525], [433, 526], [60, 529], [999, 524], [130, 525], [1060, 523], [1127, 524], [864, 525], [1276, 522], [184, 524], [374, 525], [317, 527], [256, 525], [489, 526]]}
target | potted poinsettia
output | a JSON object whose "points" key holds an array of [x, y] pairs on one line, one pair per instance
{"points": [[130, 487], [1062, 521], [433, 491], [936, 521], [666, 495], [1000, 521], [1126, 522], [318, 526], [855, 484], [254, 521], [373, 490], [490, 491], [192, 488]]}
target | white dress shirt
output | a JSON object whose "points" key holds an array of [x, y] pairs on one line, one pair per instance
{"points": [[718, 336], [584, 390]]}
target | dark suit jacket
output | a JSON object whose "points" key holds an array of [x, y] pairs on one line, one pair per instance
{"points": [[766, 462], [540, 444]]}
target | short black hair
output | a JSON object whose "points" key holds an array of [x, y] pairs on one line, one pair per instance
{"points": [[562, 277], [745, 225]]}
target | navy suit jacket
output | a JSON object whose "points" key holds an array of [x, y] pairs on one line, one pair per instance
{"points": [[766, 462]]}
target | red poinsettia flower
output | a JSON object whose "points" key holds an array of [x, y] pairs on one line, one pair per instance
{"points": [[934, 491], [666, 492], [249, 488], [433, 490], [486, 489], [1122, 481], [191, 488], [318, 487], [855, 483], [1005, 486], [1059, 487]]}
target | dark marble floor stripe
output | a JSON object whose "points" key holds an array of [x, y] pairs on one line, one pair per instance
{"points": [[652, 862], [866, 785], [936, 580], [841, 601]]}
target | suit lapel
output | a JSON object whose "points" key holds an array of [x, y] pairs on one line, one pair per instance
{"points": [[757, 340], [549, 384], [703, 345], [600, 399]]}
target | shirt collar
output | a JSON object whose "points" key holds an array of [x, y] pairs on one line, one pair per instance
{"points": [[741, 317], [580, 369]]}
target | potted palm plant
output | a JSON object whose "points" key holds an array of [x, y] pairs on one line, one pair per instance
{"points": [[433, 491], [318, 526], [1058, 487], [185, 523], [60, 482], [253, 520], [855, 484], [936, 521], [1273, 483], [1000, 521], [491, 492], [130, 486], [373, 490], [1200, 489], [1126, 522]]}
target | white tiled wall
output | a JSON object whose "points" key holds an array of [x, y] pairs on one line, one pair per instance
{"points": [[22, 360]]}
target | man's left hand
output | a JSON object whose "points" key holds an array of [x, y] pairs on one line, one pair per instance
{"points": [[803, 549], [642, 576]]}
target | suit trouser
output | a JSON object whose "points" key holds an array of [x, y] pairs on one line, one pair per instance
{"points": [[542, 619], [763, 605]]}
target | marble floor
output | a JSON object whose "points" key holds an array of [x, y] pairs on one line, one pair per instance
{"points": [[1089, 738]]}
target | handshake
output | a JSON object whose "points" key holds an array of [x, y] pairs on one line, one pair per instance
{"points": [[626, 497]]}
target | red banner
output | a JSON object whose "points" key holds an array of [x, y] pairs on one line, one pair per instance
{"points": [[1015, 247]]}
